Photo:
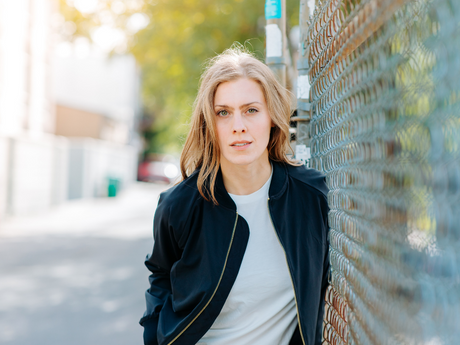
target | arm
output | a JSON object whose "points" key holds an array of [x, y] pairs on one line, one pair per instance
{"points": [[165, 253]]}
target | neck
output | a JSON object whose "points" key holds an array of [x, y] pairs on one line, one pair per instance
{"points": [[245, 179]]}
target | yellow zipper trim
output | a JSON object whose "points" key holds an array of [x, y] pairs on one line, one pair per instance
{"points": [[215, 290], [289, 269]]}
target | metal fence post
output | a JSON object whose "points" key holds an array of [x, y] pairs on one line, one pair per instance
{"points": [[302, 149], [275, 30]]}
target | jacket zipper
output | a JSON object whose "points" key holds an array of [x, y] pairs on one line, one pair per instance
{"points": [[215, 290], [289, 269]]}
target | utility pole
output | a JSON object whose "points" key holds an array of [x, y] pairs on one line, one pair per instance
{"points": [[275, 30]]}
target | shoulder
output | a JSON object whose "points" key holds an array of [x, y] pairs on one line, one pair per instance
{"points": [[310, 178], [180, 194], [176, 207]]}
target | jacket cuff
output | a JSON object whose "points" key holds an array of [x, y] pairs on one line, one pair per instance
{"points": [[150, 324]]}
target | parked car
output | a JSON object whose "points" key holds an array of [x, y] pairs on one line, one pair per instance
{"points": [[165, 170]]}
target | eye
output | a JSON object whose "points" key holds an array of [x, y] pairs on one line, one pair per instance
{"points": [[252, 110], [222, 112]]}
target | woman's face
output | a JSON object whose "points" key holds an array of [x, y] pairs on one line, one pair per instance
{"points": [[243, 123]]}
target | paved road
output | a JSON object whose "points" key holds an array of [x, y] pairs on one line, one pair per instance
{"points": [[75, 275]]}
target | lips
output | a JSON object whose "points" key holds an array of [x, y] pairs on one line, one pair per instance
{"points": [[240, 143]]}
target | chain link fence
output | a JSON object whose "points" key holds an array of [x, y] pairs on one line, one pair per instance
{"points": [[385, 129]]}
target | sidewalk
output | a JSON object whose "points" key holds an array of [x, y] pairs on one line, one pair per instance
{"points": [[129, 215], [75, 274]]}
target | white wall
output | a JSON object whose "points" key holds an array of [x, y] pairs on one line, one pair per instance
{"points": [[36, 179], [27, 157], [60, 192], [92, 161], [25, 104], [40, 103], [4, 156], [14, 30]]}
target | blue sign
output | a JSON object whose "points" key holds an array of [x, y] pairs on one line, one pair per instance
{"points": [[272, 9]]}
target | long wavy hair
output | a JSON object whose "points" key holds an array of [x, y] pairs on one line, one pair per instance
{"points": [[201, 149]]}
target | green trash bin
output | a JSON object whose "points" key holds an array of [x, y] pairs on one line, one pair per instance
{"points": [[113, 185]]}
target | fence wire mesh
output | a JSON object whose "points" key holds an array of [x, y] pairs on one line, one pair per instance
{"points": [[385, 129]]}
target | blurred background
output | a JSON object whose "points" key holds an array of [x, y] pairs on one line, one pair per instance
{"points": [[95, 97]]}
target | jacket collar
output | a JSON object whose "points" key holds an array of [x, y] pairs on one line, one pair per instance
{"points": [[279, 180], [277, 186]]}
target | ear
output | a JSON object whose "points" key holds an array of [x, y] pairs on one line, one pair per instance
{"points": [[273, 124]]}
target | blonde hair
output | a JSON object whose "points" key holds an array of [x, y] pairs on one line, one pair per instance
{"points": [[201, 149]]}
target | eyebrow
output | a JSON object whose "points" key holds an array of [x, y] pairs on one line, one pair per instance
{"points": [[244, 105]]}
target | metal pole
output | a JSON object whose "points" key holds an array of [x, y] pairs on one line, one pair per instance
{"points": [[302, 150], [275, 30]]}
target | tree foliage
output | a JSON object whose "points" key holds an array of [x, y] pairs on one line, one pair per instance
{"points": [[173, 48]]}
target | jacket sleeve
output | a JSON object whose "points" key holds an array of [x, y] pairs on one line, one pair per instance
{"points": [[325, 278], [165, 253]]}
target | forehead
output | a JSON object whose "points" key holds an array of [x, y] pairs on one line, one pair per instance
{"points": [[242, 90]]}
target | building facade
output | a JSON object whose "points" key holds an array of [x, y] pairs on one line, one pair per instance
{"points": [[28, 148], [61, 136]]}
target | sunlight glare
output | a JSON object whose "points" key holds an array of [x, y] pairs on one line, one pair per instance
{"points": [[86, 6], [137, 21]]}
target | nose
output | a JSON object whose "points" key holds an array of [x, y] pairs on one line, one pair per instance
{"points": [[238, 123]]}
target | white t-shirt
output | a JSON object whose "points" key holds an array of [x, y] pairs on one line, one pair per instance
{"points": [[260, 308]]}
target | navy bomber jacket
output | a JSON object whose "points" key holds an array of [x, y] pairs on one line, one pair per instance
{"points": [[199, 247]]}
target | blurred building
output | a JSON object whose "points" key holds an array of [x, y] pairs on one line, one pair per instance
{"points": [[97, 100], [63, 141], [28, 149]]}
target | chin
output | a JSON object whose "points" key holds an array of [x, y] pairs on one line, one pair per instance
{"points": [[242, 160]]}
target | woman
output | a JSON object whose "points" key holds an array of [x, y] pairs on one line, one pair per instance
{"points": [[241, 248]]}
